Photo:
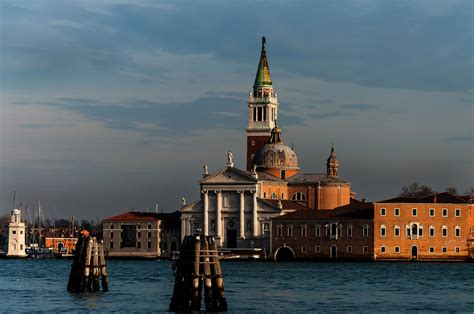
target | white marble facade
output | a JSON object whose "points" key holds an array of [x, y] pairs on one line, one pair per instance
{"points": [[16, 235], [230, 210]]}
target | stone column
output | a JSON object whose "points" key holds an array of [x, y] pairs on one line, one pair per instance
{"points": [[183, 228], [242, 215], [206, 213], [219, 218], [255, 215]]}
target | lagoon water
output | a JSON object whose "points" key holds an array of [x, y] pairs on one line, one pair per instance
{"points": [[146, 286]]}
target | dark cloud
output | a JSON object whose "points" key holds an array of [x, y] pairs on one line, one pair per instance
{"points": [[164, 119], [459, 139]]}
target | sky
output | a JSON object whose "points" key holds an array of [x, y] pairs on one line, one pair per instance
{"points": [[113, 105]]}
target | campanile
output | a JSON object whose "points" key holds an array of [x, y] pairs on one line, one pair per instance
{"points": [[262, 109]]}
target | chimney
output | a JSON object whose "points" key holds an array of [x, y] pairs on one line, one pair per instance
{"points": [[434, 198]]}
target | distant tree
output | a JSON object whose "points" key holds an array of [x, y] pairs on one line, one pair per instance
{"points": [[452, 190], [415, 189], [469, 191]]}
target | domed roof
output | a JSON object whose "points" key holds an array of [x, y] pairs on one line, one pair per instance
{"points": [[16, 211], [275, 154]]}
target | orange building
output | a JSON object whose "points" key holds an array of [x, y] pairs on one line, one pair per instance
{"points": [[434, 227], [59, 244]]}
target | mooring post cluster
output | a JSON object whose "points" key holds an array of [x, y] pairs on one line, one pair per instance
{"points": [[198, 267], [88, 266]]}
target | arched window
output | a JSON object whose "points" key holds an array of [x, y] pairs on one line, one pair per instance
{"points": [[457, 231], [290, 230], [298, 196], [444, 230], [317, 231], [383, 231], [432, 231], [274, 195], [396, 231]]}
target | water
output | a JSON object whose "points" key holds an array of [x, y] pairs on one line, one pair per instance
{"points": [[146, 286]]}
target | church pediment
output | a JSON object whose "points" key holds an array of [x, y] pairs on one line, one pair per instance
{"points": [[229, 175]]}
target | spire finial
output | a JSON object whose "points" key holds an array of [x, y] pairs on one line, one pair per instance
{"points": [[264, 42], [332, 147]]}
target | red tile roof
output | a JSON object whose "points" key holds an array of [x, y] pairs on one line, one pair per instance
{"points": [[355, 210], [287, 204], [142, 216], [443, 198]]}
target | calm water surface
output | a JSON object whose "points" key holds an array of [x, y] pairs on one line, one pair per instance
{"points": [[146, 286]]}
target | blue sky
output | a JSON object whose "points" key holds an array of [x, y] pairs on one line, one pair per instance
{"points": [[111, 105]]}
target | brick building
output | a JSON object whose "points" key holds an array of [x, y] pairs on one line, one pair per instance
{"points": [[434, 227], [141, 235], [345, 232]]}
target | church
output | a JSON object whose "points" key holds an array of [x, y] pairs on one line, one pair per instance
{"points": [[236, 206]]}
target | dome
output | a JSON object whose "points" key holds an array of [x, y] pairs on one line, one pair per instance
{"points": [[276, 155], [16, 211]]}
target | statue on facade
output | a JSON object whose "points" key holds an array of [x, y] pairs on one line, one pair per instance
{"points": [[230, 158], [183, 201], [206, 170]]}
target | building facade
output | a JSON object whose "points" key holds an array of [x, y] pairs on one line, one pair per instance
{"points": [[16, 235], [141, 235], [344, 233], [434, 227], [236, 206]]}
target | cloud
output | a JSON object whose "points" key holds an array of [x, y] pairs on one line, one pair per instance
{"points": [[458, 139], [359, 107], [329, 115]]}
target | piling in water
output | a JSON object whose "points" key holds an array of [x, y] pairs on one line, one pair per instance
{"points": [[198, 268], [88, 266]]}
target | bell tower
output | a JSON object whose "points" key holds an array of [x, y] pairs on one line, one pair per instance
{"points": [[262, 109], [332, 164]]}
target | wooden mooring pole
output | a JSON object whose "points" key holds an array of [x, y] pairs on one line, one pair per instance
{"points": [[88, 266], [198, 267]]}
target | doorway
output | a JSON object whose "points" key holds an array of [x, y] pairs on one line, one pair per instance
{"points": [[414, 252], [333, 252], [231, 238]]}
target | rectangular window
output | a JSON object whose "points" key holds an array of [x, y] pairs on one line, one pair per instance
{"points": [[303, 249], [432, 212], [260, 114], [264, 114], [457, 212], [414, 212], [266, 228], [397, 212], [149, 234], [457, 231], [111, 244], [279, 231], [382, 211], [382, 249], [445, 212], [365, 249], [21, 231], [254, 113], [383, 232], [14, 231], [139, 245], [290, 231], [408, 231], [397, 231], [420, 231], [149, 226], [397, 249], [349, 231], [432, 249], [457, 249], [445, 249], [349, 249], [317, 249], [149, 244]]}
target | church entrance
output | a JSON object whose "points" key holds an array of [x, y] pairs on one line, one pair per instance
{"points": [[414, 252], [231, 237]]}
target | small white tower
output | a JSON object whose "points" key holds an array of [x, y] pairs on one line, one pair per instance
{"points": [[16, 235]]}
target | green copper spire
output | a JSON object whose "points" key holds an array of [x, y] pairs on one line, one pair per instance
{"points": [[263, 73]]}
